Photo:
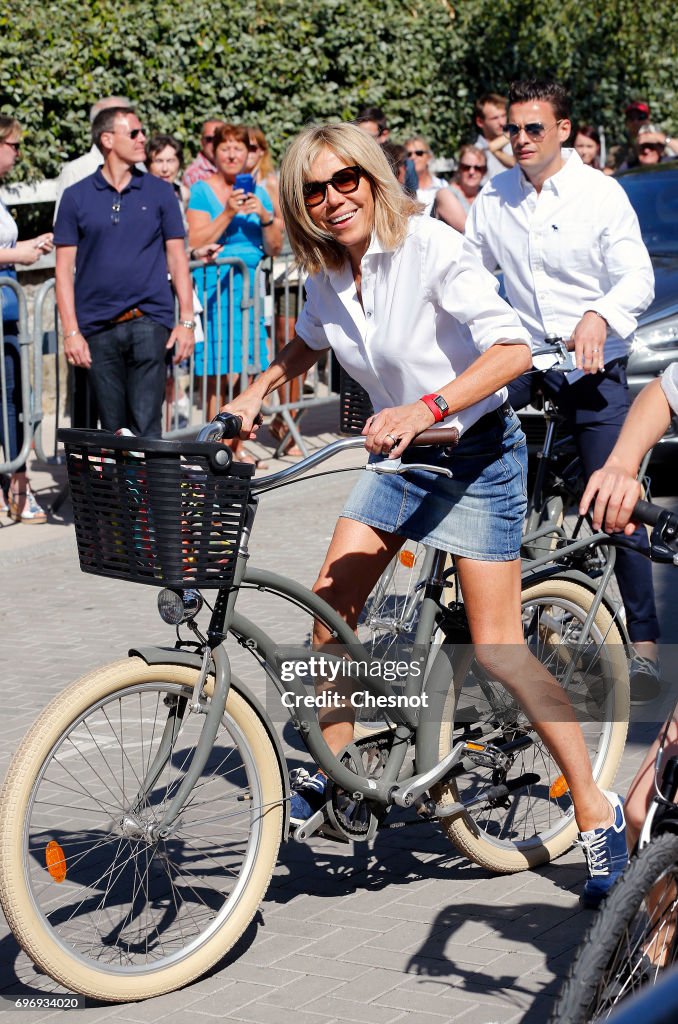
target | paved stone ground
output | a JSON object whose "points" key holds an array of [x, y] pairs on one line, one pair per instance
{"points": [[405, 930]]}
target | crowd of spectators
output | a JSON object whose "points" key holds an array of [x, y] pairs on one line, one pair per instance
{"points": [[228, 209]]}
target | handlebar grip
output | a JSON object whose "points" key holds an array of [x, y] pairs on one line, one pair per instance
{"points": [[646, 512], [446, 435], [230, 425]]}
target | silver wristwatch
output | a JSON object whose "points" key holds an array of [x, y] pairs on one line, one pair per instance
{"points": [[188, 324]]}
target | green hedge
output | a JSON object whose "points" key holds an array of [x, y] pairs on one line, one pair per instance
{"points": [[280, 64]]}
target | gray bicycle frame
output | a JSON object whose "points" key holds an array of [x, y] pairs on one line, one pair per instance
{"points": [[425, 724]]}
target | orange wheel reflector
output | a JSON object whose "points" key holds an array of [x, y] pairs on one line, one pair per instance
{"points": [[558, 788], [55, 860], [475, 746], [407, 559]]}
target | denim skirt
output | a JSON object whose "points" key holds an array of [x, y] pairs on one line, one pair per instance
{"points": [[478, 512]]}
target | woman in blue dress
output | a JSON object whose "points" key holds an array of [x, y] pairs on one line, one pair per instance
{"points": [[244, 224]]}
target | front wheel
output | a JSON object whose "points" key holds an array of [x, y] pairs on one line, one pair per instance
{"points": [[632, 941], [536, 822], [98, 900]]}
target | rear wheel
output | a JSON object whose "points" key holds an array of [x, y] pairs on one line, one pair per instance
{"points": [[536, 823], [632, 941], [98, 899], [388, 622]]}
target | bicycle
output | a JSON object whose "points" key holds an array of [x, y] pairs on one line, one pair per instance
{"points": [[634, 935], [558, 482], [141, 817]]}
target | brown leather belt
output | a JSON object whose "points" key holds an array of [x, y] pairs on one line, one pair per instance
{"points": [[130, 314]]}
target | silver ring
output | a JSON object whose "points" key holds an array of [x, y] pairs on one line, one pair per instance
{"points": [[392, 438], [596, 351]]}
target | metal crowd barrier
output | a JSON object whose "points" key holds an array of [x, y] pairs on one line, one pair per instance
{"points": [[274, 291], [8, 465]]}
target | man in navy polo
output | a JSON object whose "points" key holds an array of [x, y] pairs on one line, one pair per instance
{"points": [[120, 239]]}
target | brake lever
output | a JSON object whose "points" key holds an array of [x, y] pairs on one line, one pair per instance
{"points": [[397, 468]]}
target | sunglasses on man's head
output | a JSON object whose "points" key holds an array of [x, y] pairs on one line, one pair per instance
{"points": [[344, 181], [480, 168], [417, 152], [535, 129]]}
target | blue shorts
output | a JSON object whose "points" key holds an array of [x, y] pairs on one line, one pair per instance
{"points": [[478, 512]]}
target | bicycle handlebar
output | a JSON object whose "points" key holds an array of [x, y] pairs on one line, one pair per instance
{"points": [[664, 523]]}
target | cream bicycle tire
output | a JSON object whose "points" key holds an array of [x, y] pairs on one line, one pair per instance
{"points": [[60, 728]]}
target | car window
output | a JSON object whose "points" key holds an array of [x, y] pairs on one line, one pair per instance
{"points": [[654, 197]]}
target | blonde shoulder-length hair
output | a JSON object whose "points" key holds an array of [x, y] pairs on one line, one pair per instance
{"points": [[316, 250]]}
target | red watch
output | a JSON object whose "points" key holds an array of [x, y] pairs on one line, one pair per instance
{"points": [[437, 405]]}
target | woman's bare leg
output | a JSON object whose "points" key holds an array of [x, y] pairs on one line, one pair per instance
{"points": [[496, 632]]}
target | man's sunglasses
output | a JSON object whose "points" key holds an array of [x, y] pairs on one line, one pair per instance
{"points": [[649, 147], [344, 181], [417, 152], [637, 115], [133, 134], [535, 130], [16, 146], [208, 138], [480, 168]]}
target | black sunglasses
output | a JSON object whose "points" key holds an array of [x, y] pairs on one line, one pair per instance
{"points": [[480, 168], [16, 146], [417, 152], [535, 130], [344, 181], [644, 147], [637, 115], [208, 138]]}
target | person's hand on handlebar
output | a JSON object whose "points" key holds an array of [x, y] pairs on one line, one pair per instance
{"points": [[390, 431], [247, 406], [616, 491]]}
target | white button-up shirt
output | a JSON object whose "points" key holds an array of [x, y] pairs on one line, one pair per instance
{"points": [[572, 247], [428, 309]]}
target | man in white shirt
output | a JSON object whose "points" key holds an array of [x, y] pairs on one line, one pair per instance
{"points": [[490, 118], [574, 262], [83, 166]]}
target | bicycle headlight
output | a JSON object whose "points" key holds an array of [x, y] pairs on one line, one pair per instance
{"points": [[177, 606]]}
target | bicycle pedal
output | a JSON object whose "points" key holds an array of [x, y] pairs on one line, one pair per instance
{"points": [[485, 755]]}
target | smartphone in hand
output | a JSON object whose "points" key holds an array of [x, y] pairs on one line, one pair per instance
{"points": [[245, 182]]}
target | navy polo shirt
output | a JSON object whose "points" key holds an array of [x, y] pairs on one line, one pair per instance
{"points": [[121, 261]]}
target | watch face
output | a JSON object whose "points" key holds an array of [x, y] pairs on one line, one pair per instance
{"points": [[441, 403]]}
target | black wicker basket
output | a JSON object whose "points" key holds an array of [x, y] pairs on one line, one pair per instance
{"points": [[166, 513], [354, 405]]}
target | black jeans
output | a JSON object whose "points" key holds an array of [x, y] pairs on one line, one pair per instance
{"points": [[595, 407], [13, 399], [128, 375]]}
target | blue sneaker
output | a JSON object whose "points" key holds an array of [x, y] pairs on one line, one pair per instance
{"points": [[606, 855], [309, 795]]}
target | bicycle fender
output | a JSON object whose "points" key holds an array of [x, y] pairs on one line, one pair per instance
{"points": [[556, 572], [172, 656]]}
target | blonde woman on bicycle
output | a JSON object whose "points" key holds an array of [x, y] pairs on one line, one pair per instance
{"points": [[414, 317]]}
